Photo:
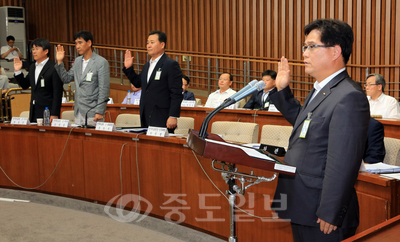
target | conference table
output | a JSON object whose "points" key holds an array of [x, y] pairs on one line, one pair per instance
{"points": [[172, 181], [97, 166], [392, 126]]}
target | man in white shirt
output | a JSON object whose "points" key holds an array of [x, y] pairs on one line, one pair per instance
{"points": [[135, 94], [46, 85], [216, 98], [9, 52], [91, 73], [380, 103]]}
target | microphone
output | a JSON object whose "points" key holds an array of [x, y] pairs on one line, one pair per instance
{"points": [[247, 91], [247, 87], [244, 92], [86, 126]]}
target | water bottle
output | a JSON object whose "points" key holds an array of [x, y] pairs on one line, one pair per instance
{"points": [[46, 117], [128, 99]]}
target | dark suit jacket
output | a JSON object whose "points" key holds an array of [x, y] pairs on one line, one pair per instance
{"points": [[255, 101], [328, 158], [162, 98], [188, 96], [375, 149], [48, 96]]}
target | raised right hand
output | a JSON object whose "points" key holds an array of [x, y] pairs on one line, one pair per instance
{"points": [[128, 62], [60, 54], [17, 64], [283, 77]]}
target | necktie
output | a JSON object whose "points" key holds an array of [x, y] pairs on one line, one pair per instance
{"points": [[265, 102], [311, 94]]}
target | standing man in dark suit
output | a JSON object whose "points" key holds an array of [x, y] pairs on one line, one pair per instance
{"points": [[328, 138], [47, 86], [261, 99], [161, 83], [185, 85]]}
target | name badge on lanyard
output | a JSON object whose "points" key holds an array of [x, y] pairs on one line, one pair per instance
{"points": [[158, 75], [306, 124], [42, 82], [89, 76]]}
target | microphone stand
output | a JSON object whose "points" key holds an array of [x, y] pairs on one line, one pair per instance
{"points": [[204, 125], [229, 101], [86, 126]]}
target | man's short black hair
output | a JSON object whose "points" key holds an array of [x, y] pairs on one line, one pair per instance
{"points": [[186, 78], [10, 37], [44, 43], [85, 35], [270, 73], [334, 32], [230, 75], [162, 37]]}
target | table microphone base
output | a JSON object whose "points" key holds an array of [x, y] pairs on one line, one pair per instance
{"points": [[88, 126]]}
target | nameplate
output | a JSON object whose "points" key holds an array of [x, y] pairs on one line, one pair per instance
{"points": [[136, 101], [104, 126], [272, 108], [111, 101], [63, 123], [20, 121], [188, 103], [157, 131]]}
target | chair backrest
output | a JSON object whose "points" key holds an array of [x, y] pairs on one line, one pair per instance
{"points": [[242, 103], [68, 115], [24, 114], [392, 147], [18, 103], [184, 124], [236, 131], [198, 101], [127, 120], [276, 135]]}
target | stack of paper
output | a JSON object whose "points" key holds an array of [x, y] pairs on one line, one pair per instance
{"points": [[379, 168]]}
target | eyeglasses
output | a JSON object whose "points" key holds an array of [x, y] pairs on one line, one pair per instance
{"points": [[36, 49], [367, 85], [310, 48]]}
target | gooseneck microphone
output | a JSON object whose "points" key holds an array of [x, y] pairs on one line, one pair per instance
{"points": [[247, 87], [244, 92], [90, 126]]}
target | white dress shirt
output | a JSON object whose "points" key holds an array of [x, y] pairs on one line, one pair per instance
{"points": [[385, 105], [84, 64], [216, 98], [39, 68], [153, 64], [319, 85]]}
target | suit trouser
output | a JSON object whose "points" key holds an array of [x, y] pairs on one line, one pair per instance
{"points": [[302, 233]]}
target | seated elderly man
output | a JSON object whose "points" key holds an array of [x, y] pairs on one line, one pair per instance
{"points": [[216, 98], [380, 103]]}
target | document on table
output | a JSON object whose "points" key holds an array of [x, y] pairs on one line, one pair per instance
{"points": [[392, 175], [379, 168]]}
